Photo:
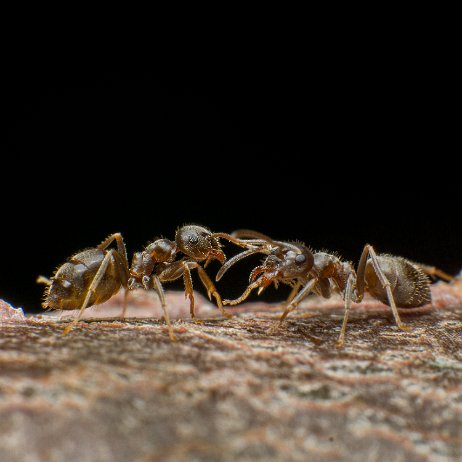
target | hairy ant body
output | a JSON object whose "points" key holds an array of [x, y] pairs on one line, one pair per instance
{"points": [[392, 280], [94, 275], [89, 277], [159, 263]]}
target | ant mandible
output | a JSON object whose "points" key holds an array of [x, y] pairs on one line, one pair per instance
{"points": [[394, 281]]}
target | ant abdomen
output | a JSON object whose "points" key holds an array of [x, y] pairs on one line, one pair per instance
{"points": [[69, 285], [409, 285]]}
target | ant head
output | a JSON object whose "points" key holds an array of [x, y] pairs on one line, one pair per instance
{"points": [[297, 260], [197, 242], [287, 261]]}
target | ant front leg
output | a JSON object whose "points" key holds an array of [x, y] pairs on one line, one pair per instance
{"points": [[293, 292], [160, 292], [188, 288], [208, 284], [246, 293], [295, 301], [183, 268]]}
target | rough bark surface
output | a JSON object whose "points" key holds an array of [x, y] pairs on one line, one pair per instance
{"points": [[229, 389]]}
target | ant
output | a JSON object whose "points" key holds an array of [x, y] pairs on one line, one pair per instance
{"points": [[89, 277], [394, 281], [158, 263], [94, 275]]}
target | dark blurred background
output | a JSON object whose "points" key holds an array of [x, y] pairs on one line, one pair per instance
{"points": [[333, 150]]}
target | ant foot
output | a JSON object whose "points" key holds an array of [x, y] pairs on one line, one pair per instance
{"points": [[275, 329], [226, 314], [68, 329], [172, 336]]}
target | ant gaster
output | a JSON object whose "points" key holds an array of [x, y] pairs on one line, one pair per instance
{"points": [[394, 281], [88, 278]]}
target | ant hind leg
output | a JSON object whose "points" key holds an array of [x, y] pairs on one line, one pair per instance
{"points": [[92, 289]]}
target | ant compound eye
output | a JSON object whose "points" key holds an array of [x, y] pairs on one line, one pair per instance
{"points": [[300, 259], [66, 284], [193, 239]]}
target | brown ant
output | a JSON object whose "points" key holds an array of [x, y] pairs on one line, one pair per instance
{"points": [[94, 275], [88, 278], [394, 281], [158, 263]]}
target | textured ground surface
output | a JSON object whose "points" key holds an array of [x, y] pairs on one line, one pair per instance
{"points": [[228, 390]]}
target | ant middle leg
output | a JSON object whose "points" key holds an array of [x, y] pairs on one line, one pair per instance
{"points": [[348, 299], [296, 300], [211, 289], [160, 292]]}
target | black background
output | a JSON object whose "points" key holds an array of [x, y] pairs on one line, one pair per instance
{"points": [[333, 150]]}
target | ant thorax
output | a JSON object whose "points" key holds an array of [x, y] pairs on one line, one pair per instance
{"points": [[159, 252]]}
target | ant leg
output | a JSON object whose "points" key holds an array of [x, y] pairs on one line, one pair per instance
{"points": [[211, 289], [123, 275], [121, 249], [173, 272], [293, 292], [91, 290], [160, 292], [296, 300], [348, 300], [246, 293], [433, 271], [188, 288], [369, 250], [289, 300], [121, 259], [125, 304]]}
